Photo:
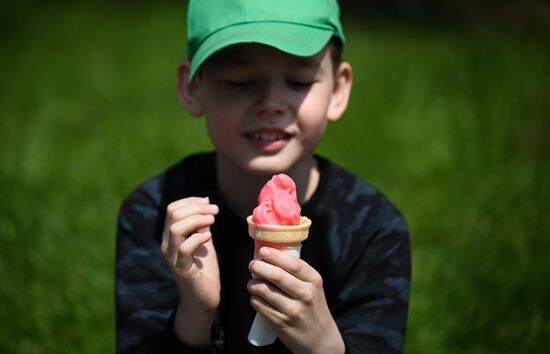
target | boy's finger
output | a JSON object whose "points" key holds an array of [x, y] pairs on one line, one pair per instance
{"points": [[175, 234], [186, 201], [184, 211], [279, 277], [183, 208], [187, 250], [293, 265], [271, 313], [269, 293], [189, 225]]}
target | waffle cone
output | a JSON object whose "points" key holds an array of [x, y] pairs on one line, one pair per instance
{"points": [[287, 235]]}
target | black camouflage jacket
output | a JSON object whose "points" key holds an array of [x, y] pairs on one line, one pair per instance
{"points": [[358, 243]]}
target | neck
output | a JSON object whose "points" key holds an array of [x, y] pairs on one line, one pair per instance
{"points": [[240, 187]]}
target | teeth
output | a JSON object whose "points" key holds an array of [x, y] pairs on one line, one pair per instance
{"points": [[268, 136]]}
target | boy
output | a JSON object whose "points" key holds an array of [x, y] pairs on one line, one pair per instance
{"points": [[267, 76]]}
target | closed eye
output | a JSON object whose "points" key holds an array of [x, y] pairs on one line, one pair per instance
{"points": [[239, 83], [302, 85]]}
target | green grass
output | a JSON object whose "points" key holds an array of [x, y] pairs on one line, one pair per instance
{"points": [[452, 125]]}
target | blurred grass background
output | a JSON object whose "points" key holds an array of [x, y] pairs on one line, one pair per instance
{"points": [[452, 122]]}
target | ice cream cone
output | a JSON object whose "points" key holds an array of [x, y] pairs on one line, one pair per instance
{"points": [[285, 237]]}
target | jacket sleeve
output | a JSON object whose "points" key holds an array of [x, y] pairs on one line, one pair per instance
{"points": [[371, 309], [146, 294]]}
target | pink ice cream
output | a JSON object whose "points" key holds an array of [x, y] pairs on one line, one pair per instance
{"points": [[277, 202], [275, 222]]}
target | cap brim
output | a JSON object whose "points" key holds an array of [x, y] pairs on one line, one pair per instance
{"points": [[291, 38]]}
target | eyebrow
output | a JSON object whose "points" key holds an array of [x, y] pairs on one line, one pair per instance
{"points": [[229, 60], [307, 62]]}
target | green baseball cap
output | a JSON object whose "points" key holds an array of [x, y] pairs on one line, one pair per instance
{"points": [[297, 27]]}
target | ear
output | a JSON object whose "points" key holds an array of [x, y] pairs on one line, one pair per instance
{"points": [[189, 92], [340, 92]]}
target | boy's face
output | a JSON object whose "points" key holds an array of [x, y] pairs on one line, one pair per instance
{"points": [[266, 110]]}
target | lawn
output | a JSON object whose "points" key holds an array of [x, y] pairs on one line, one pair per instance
{"points": [[452, 124]]}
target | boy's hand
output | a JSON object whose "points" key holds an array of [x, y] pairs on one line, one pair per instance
{"points": [[189, 251], [289, 293]]}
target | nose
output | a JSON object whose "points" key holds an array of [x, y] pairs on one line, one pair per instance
{"points": [[272, 98]]}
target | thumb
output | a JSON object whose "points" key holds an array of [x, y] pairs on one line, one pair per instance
{"points": [[187, 250]]}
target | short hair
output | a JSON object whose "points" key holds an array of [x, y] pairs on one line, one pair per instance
{"points": [[336, 49]]}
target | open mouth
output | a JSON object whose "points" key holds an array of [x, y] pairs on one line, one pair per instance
{"points": [[269, 140], [269, 136]]}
